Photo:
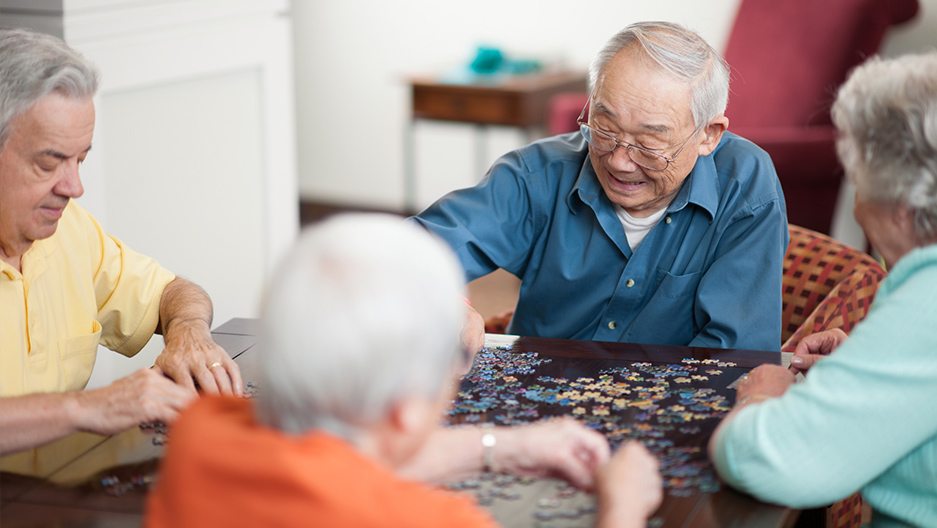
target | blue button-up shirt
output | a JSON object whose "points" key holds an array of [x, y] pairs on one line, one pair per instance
{"points": [[708, 274]]}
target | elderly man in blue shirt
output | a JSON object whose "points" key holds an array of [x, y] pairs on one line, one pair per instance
{"points": [[653, 224]]}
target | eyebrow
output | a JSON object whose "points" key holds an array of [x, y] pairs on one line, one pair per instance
{"points": [[649, 127], [59, 155]]}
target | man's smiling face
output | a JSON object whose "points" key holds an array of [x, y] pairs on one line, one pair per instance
{"points": [[641, 105]]}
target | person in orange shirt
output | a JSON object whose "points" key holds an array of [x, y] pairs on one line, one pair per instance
{"points": [[361, 351]]}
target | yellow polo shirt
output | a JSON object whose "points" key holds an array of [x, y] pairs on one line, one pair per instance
{"points": [[79, 287]]}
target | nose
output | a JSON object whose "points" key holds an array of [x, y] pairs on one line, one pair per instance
{"points": [[620, 159], [69, 183]]}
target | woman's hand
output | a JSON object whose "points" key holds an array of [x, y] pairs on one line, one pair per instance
{"points": [[562, 448], [813, 347], [630, 487]]}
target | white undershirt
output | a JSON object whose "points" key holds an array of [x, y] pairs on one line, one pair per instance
{"points": [[637, 228]]}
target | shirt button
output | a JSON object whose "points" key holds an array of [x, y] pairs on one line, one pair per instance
{"points": [[611, 325], [630, 283], [667, 220]]}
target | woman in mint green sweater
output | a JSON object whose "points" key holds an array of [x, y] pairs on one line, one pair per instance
{"points": [[865, 418]]}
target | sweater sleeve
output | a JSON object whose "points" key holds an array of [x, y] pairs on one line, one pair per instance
{"points": [[857, 413]]}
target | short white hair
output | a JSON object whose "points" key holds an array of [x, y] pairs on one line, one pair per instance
{"points": [[364, 311], [682, 53], [886, 116]]}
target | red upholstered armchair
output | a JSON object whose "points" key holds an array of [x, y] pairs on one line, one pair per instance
{"points": [[787, 60]]}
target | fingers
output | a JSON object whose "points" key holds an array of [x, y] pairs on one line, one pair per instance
{"points": [[631, 478], [765, 380], [219, 377], [207, 383], [207, 364], [234, 373], [803, 363], [227, 377], [143, 396], [175, 372], [579, 454], [821, 343]]}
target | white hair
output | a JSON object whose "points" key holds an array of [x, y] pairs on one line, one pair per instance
{"points": [[364, 311], [682, 53], [886, 115], [33, 65]]}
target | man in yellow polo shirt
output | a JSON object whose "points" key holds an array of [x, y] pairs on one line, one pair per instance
{"points": [[67, 286]]}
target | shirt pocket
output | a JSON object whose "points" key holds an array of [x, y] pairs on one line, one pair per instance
{"points": [[669, 312], [78, 354], [677, 286]]}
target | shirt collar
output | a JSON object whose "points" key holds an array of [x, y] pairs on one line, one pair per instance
{"points": [[701, 187]]}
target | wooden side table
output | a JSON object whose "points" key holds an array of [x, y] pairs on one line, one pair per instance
{"points": [[517, 101]]}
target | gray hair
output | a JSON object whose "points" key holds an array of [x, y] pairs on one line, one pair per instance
{"points": [[886, 115], [364, 311], [33, 65], [682, 53]]}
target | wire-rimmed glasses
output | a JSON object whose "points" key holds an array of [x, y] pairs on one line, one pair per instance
{"points": [[606, 142]]}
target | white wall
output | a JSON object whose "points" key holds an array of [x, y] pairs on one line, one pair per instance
{"points": [[352, 60]]}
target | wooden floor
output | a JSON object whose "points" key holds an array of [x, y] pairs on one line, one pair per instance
{"points": [[490, 295]]}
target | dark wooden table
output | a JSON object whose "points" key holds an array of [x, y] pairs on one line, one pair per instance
{"points": [[88, 480], [520, 101]]}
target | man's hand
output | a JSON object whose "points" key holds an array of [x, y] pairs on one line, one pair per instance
{"points": [[144, 396], [185, 314], [191, 353], [562, 448], [813, 347], [630, 487]]}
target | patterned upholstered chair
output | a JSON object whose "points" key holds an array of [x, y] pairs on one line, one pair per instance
{"points": [[826, 285]]}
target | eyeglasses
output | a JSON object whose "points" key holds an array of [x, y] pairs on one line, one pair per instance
{"points": [[645, 158]]}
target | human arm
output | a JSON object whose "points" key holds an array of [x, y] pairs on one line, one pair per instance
{"points": [[473, 335], [814, 347], [491, 224], [36, 419], [760, 384], [853, 418], [629, 488], [562, 448], [185, 315]]}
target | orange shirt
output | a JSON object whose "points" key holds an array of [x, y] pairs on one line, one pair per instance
{"points": [[223, 469]]}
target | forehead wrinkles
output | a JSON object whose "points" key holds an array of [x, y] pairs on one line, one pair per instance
{"points": [[636, 93], [57, 125]]}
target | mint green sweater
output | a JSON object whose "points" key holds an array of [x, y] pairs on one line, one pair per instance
{"points": [[864, 419]]}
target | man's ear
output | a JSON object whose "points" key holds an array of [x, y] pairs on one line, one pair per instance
{"points": [[712, 134]]}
